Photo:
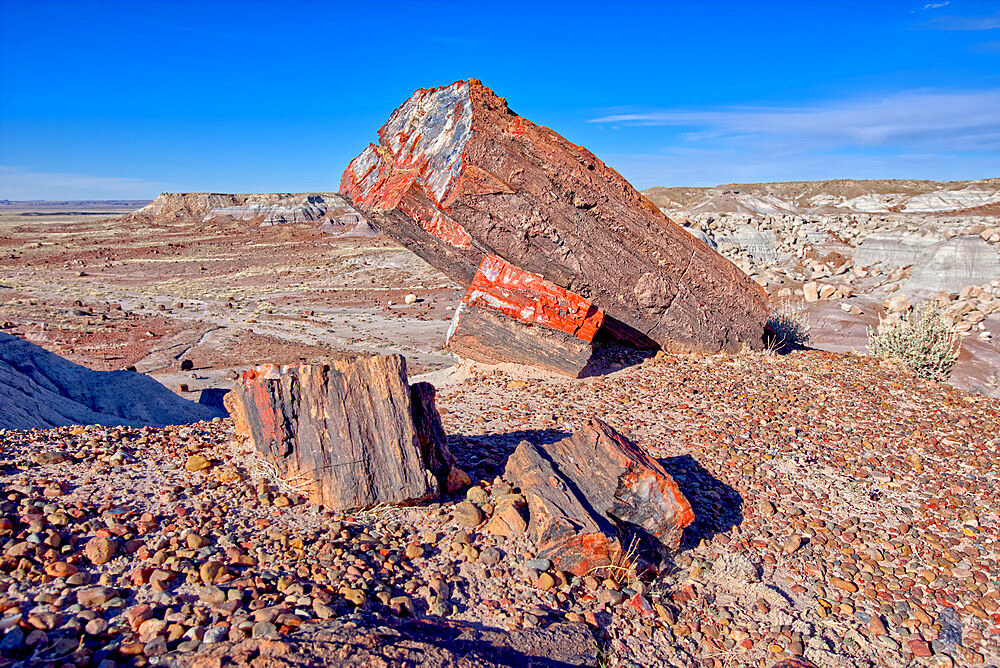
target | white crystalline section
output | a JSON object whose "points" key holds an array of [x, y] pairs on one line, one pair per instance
{"points": [[367, 164], [455, 320], [436, 125], [951, 200], [39, 390]]}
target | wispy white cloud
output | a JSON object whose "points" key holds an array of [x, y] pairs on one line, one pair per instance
{"points": [[917, 120], [963, 22], [937, 5], [992, 48], [914, 134], [17, 183]]}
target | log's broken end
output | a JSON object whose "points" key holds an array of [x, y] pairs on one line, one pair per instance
{"points": [[512, 315]]}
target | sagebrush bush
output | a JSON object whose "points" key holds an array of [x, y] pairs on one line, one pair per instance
{"points": [[923, 341], [787, 322]]}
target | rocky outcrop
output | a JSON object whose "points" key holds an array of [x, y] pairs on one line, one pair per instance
{"points": [[348, 434], [587, 491], [826, 197], [898, 247], [39, 390], [458, 176], [952, 265], [334, 214]]}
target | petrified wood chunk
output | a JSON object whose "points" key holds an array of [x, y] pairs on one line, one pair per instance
{"points": [[510, 315], [457, 175], [588, 489], [350, 434]]}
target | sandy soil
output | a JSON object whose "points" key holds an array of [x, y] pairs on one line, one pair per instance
{"points": [[226, 295]]}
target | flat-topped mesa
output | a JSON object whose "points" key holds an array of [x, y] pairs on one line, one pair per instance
{"points": [[458, 176], [335, 215], [348, 434]]}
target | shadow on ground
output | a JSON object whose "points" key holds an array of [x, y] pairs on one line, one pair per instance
{"points": [[717, 506], [377, 640], [484, 457], [611, 357]]}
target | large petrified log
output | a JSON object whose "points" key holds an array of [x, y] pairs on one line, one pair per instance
{"points": [[458, 176], [350, 434], [588, 490]]}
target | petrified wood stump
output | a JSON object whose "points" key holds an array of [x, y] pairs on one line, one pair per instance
{"points": [[590, 488], [457, 175], [350, 434]]}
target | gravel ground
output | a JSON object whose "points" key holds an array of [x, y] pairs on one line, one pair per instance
{"points": [[845, 512]]}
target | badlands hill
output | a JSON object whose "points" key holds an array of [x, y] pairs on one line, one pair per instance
{"points": [[831, 197], [330, 210], [850, 252]]}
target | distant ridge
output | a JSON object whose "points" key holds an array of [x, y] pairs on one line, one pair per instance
{"points": [[37, 203], [835, 196]]}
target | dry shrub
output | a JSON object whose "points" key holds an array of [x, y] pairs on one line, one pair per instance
{"points": [[922, 341]]}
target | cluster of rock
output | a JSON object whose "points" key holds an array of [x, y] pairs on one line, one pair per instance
{"points": [[353, 435], [900, 260], [967, 309], [920, 254]]}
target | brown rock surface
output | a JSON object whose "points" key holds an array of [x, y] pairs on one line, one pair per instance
{"points": [[347, 434], [584, 490], [458, 175]]}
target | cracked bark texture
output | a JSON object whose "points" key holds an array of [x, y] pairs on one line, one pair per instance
{"points": [[348, 434], [459, 175]]}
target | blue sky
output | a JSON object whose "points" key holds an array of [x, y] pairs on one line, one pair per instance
{"points": [[124, 100]]}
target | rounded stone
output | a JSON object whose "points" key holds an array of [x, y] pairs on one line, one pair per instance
{"points": [[100, 550], [467, 515]]}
